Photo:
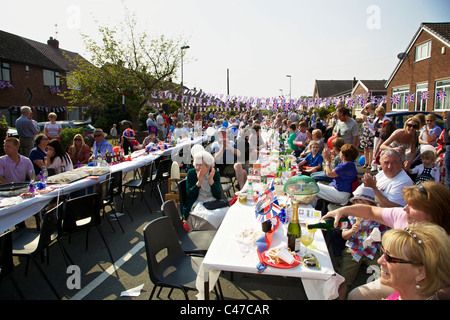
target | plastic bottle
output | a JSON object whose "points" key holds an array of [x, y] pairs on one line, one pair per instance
{"points": [[250, 192]]}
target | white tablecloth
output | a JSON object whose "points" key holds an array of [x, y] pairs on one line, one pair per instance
{"points": [[22, 209], [227, 254]]}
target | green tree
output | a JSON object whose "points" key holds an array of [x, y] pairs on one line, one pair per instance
{"points": [[124, 63]]}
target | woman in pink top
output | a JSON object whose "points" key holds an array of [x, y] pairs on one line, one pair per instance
{"points": [[425, 202]]}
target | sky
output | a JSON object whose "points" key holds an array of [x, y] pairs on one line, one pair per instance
{"points": [[259, 42]]}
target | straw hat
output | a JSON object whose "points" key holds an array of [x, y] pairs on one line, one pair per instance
{"points": [[100, 130], [364, 193]]}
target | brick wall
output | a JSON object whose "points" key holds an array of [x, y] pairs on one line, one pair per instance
{"points": [[428, 70]]}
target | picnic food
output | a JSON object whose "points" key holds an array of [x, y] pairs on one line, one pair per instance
{"points": [[272, 255]]}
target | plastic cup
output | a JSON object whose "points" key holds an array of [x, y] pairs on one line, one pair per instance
{"points": [[285, 255]]}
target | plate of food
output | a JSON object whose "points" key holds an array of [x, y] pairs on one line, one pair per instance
{"points": [[281, 258]]}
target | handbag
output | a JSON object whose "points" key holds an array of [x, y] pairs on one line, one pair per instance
{"points": [[216, 204]]}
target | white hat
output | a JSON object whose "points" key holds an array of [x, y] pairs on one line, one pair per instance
{"points": [[427, 147], [364, 193]]}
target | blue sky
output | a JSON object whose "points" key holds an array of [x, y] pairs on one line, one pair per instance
{"points": [[259, 41]]}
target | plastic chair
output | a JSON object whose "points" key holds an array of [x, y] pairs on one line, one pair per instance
{"points": [[162, 175], [192, 242], [104, 188], [33, 244], [140, 184], [82, 213], [176, 269], [116, 190], [6, 261]]}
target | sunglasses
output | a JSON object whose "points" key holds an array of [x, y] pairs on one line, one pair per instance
{"points": [[97, 135], [415, 126], [391, 259], [77, 139], [430, 120], [422, 189]]}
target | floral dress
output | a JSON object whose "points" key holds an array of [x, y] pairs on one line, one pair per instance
{"points": [[367, 132]]}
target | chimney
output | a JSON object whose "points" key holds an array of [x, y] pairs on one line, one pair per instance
{"points": [[354, 82], [53, 43]]}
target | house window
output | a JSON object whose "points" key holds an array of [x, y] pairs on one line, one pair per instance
{"points": [[442, 95], [421, 104], [400, 93], [51, 78], [423, 51], [5, 74]]}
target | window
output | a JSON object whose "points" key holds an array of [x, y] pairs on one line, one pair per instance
{"points": [[400, 93], [421, 104], [51, 78], [423, 51], [5, 74], [442, 95]]}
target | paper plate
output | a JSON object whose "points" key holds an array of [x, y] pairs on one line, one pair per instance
{"points": [[281, 265]]}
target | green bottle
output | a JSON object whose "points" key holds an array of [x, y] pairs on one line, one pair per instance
{"points": [[294, 231], [328, 224]]}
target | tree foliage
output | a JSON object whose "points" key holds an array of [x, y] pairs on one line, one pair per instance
{"points": [[124, 62]]}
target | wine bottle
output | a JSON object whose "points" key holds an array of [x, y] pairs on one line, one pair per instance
{"points": [[328, 224], [294, 231]]}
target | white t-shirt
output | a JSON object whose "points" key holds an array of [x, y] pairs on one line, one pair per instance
{"points": [[58, 162], [347, 130], [391, 188]]}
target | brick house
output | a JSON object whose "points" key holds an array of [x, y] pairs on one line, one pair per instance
{"points": [[368, 88], [423, 70], [31, 74]]}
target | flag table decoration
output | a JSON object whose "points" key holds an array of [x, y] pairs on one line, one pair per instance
{"points": [[267, 206]]}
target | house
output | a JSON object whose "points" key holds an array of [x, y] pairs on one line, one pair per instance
{"points": [[333, 88], [421, 79], [31, 74], [368, 89]]}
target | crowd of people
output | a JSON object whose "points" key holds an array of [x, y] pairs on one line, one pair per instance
{"points": [[403, 192]]}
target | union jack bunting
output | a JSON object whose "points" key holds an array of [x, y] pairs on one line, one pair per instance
{"points": [[395, 99], [409, 98], [425, 95], [54, 90], [5, 84], [441, 95]]}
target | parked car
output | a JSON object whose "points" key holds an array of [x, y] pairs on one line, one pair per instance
{"points": [[399, 118], [88, 129]]}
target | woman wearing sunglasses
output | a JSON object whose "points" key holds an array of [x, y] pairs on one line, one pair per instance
{"points": [[403, 140], [415, 262], [425, 202], [79, 151]]}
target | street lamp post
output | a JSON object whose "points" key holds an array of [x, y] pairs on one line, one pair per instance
{"points": [[289, 76], [182, 48]]}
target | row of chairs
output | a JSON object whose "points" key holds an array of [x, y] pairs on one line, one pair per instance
{"points": [[185, 250], [62, 218]]}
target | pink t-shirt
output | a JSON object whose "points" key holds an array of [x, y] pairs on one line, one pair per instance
{"points": [[395, 217]]}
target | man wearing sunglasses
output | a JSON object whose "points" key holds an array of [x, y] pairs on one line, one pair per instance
{"points": [[101, 145]]}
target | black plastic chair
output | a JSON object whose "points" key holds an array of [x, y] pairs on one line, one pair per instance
{"points": [[140, 184], [82, 213], [6, 261], [116, 190], [162, 175], [33, 244], [192, 242], [176, 269], [104, 188]]}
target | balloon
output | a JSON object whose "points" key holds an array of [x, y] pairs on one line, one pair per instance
{"points": [[330, 140], [225, 124], [362, 160], [210, 131]]}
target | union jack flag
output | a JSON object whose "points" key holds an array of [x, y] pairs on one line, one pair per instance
{"points": [[267, 206], [425, 95], [395, 99], [441, 95], [5, 84], [409, 98], [54, 90]]}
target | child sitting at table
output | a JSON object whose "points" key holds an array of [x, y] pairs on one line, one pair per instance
{"points": [[356, 251], [316, 136], [313, 161], [336, 144], [427, 169]]}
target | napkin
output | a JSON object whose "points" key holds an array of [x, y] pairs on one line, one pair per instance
{"points": [[375, 236], [135, 292]]}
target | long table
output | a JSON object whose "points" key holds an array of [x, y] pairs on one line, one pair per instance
{"points": [[226, 254], [22, 209]]}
